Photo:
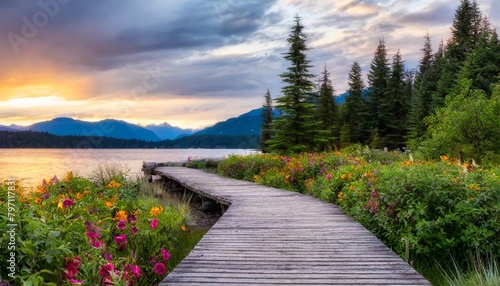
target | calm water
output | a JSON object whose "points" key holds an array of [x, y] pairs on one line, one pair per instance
{"points": [[30, 166]]}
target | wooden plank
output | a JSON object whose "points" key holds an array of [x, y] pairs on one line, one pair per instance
{"points": [[275, 237]]}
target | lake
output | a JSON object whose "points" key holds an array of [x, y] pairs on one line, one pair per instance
{"points": [[31, 166]]}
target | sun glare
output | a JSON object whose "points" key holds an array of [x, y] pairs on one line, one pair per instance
{"points": [[28, 102]]}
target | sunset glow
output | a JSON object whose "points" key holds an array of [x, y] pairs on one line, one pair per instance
{"points": [[190, 63]]}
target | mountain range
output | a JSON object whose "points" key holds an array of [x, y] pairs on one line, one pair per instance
{"points": [[246, 124]]}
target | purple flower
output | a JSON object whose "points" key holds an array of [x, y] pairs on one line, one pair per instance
{"points": [[121, 240], [68, 203], [131, 218], [121, 225], [133, 230]]}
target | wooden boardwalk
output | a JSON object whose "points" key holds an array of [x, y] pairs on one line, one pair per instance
{"points": [[275, 237]]}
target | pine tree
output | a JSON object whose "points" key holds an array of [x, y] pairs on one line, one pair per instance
{"points": [[396, 104], [296, 129], [378, 79], [468, 25], [327, 112], [267, 118], [425, 86], [483, 66], [355, 105]]}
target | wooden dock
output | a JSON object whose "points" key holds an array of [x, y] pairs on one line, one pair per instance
{"points": [[276, 237]]}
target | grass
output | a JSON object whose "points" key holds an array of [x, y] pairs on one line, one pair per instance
{"points": [[479, 272]]}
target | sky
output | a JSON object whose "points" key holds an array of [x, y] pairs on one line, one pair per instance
{"points": [[191, 63]]}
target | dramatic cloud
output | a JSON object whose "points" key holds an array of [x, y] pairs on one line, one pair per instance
{"points": [[191, 62]]}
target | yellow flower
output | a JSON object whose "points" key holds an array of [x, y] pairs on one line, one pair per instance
{"points": [[114, 184], [108, 204], [444, 158], [343, 176], [120, 215], [38, 201], [59, 204], [68, 176], [474, 187], [79, 196], [156, 210], [86, 192], [340, 195], [351, 188], [183, 228]]}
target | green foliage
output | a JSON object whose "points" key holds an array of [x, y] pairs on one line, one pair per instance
{"points": [[295, 130], [68, 231], [327, 113], [355, 107], [423, 210], [468, 127], [267, 118]]}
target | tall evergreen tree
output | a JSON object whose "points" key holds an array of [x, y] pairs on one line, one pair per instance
{"points": [[468, 24], [296, 130], [396, 104], [327, 112], [355, 105], [267, 118], [378, 80], [425, 86], [483, 65]]}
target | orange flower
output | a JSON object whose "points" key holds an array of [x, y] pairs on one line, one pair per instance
{"points": [[121, 215], [114, 184], [444, 158], [108, 204], [68, 176], [351, 187], [183, 228], [340, 195], [38, 201], [156, 210], [343, 177], [79, 196]]}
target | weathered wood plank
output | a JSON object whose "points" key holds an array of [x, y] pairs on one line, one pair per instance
{"points": [[275, 237]]}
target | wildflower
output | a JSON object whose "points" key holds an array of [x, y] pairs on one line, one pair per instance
{"points": [[131, 218], [106, 270], [113, 184], [444, 158], [71, 270], [133, 230], [343, 177], [38, 201], [120, 215], [340, 195], [165, 254], [79, 196], [155, 211], [67, 203], [183, 228], [136, 270], [474, 187], [121, 225], [108, 257], [46, 196], [108, 204], [54, 180], [160, 268], [351, 187], [121, 240], [328, 177], [60, 204], [68, 177], [75, 281], [154, 223]]}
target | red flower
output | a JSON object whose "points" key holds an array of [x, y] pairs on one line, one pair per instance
{"points": [[68, 203], [154, 223], [106, 270], [133, 230], [160, 268]]}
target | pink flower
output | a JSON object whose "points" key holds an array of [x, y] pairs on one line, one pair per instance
{"points": [[136, 270], [328, 177], [94, 239], [133, 230], [75, 281], [121, 240], [160, 268], [108, 257], [165, 254], [154, 223], [106, 270], [68, 203], [96, 243], [121, 225]]}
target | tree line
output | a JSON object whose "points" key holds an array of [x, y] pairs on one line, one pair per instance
{"points": [[30, 139], [397, 107]]}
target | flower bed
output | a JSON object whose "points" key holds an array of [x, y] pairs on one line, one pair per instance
{"points": [[79, 232]]}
